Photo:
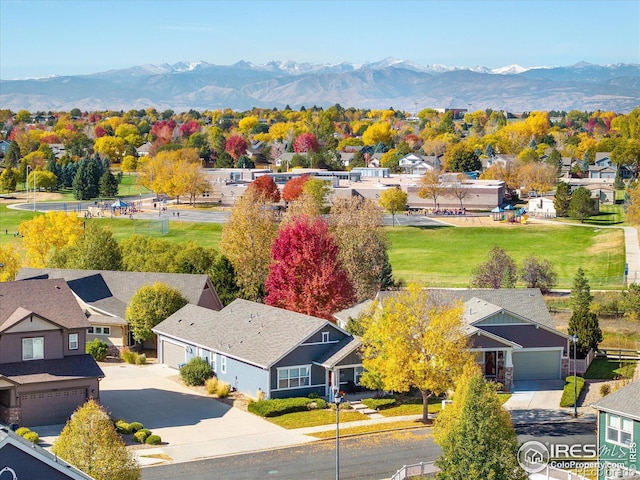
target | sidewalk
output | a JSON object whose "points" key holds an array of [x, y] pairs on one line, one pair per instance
{"points": [[357, 423]]}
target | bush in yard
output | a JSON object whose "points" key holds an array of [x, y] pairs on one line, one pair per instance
{"points": [[128, 356], [605, 389], [140, 436], [313, 395], [123, 427], [223, 389], [97, 349], [379, 403], [281, 406], [31, 437], [567, 394], [22, 431], [135, 426], [153, 440], [146, 431], [140, 358], [196, 371], [318, 404], [212, 385]]}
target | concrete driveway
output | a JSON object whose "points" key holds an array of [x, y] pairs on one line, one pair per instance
{"points": [[192, 425]]}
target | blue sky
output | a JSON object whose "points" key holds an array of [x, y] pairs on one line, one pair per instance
{"points": [[39, 38]]}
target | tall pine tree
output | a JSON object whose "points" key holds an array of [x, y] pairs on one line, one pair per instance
{"points": [[583, 322]]}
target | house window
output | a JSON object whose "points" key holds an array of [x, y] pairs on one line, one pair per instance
{"points": [[223, 364], [213, 363], [619, 430], [73, 341], [33, 348], [357, 374], [100, 330], [325, 337], [294, 377]]}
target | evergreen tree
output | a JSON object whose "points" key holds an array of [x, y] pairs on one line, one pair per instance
{"points": [[108, 184], [223, 277], [618, 184], [581, 204], [478, 441], [85, 183], [583, 322], [555, 159], [562, 199], [67, 175], [12, 157]]}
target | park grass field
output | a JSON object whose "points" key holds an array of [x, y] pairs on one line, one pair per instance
{"points": [[435, 256], [446, 256]]}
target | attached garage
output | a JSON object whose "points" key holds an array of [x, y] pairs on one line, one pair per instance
{"points": [[537, 365], [172, 354], [51, 407]]}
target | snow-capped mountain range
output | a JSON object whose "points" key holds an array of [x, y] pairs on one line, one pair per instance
{"points": [[388, 82]]}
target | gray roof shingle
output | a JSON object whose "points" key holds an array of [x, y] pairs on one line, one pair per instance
{"points": [[49, 299], [70, 367], [625, 401], [110, 291], [256, 333]]}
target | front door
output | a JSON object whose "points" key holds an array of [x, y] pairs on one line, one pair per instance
{"points": [[490, 364]]}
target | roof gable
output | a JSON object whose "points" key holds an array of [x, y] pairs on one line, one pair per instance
{"points": [[625, 401], [256, 333]]}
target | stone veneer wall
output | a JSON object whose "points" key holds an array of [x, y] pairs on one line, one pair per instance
{"points": [[10, 415]]}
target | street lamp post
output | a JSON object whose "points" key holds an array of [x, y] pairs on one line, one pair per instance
{"points": [[336, 400], [26, 185], [574, 339]]}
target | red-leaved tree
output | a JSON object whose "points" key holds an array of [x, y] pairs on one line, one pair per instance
{"points": [[305, 275], [189, 128], [265, 187], [100, 131], [163, 131], [293, 188], [305, 142], [236, 146]]}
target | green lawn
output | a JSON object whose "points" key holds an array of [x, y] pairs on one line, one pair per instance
{"points": [[313, 418], [605, 369], [446, 256], [372, 428], [414, 407], [568, 394]]}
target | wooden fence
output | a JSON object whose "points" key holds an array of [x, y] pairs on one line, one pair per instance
{"points": [[620, 353]]}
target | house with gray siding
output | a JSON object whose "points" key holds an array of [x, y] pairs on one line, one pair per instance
{"points": [[256, 347], [511, 333], [45, 373], [619, 433]]}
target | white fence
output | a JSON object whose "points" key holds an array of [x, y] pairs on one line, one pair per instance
{"points": [[582, 364], [416, 470]]}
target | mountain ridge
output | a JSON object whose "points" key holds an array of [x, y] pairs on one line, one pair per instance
{"points": [[389, 82]]}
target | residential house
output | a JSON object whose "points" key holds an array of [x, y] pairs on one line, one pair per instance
{"points": [[4, 146], [144, 149], [105, 294], [604, 194], [254, 152], [44, 371], [619, 433], [511, 333], [415, 164], [20, 459], [284, 160], [256, 347]]}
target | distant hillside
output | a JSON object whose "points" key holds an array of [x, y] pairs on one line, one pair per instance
{"points": [[388, 83]]}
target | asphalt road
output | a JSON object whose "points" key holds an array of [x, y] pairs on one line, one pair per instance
{"points": [[369, 457]]}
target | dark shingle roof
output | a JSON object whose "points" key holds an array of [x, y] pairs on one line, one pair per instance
{"points": [[525, 302], [253, 332], [110, 291], [49, 299], [70, 367], [625, 401], [346, 346]]}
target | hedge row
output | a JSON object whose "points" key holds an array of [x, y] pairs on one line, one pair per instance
{"points": [[282, 406]]}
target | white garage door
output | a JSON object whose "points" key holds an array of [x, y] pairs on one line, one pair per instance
{"points": [[172, 354], [544, 365], [50, 408]]}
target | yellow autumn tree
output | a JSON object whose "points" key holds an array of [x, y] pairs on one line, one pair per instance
{"points": [[246, 241], [111, 147], [247, 123], [10, 263], [633, 208], [46, 233], [376, 133], [414, 339]]}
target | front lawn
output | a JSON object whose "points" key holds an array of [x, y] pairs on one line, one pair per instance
{"points": [[568, 394], [372, 428], [313, 418], [605, 369], [414, 406]]}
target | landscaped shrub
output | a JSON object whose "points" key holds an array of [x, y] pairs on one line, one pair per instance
{"points": [[567, 394], [605, 389], [196, 371], [140, 436], [379, 403], [313, 395], [31, 437], [145, 430], [22, 431], [140, 358], [128, 356], [153, 440], [123, 427], [281, 406], [212, 385], [223, 389], [318, 404], [97, 348], [135, 426]]}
